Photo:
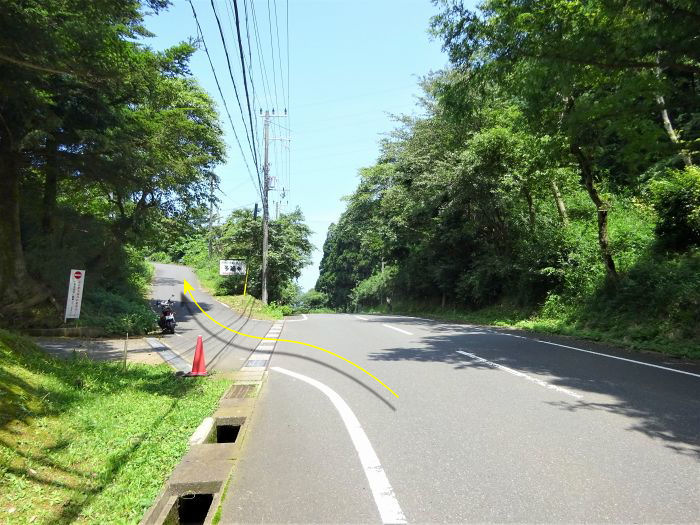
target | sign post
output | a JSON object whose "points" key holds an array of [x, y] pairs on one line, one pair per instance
{"points": [[75, 294]]}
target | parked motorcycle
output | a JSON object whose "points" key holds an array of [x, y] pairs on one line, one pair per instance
{"points": [[167, 316]]}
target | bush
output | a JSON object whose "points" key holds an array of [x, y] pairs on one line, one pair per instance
{"points": [[160, 257], [312, 300], [677, 201], [375, 288]]}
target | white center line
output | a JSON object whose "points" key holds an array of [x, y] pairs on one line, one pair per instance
{"points": [[384, 497], [524, 376], [360, 318], [397, 329]]}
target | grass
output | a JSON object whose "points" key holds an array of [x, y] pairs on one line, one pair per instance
{"points": [[252, 307], [90, 442], [623, 334]]}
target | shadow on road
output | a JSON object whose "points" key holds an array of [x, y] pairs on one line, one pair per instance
{"points": [[661, 404]]}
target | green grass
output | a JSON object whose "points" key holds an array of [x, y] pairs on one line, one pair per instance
{"points": [[90, 442], [251, 307], [625, 333]]}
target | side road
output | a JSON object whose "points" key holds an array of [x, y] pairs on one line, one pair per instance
{"points": [[224, 351]]}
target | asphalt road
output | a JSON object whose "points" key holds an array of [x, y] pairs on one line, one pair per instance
{"points": [[223, 350], [509, 430]]}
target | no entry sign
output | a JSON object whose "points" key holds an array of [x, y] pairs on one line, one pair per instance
{"points": [[75, 294]]}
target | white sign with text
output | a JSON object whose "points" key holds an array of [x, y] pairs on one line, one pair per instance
{"points": [[231, 267], [75, 294]]}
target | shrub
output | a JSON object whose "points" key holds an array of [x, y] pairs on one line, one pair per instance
{"points": [[677, 201]]}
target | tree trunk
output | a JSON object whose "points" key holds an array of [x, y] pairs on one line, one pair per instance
{"points": [[17, 289], [530, 207], [668, 126], [561, 207], [602, 208], [50, 187]]}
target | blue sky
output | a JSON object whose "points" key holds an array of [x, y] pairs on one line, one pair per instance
{"points": [[350, 63]]}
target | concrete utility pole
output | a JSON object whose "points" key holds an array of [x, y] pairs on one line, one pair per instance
{"points": [[211, 210], [266, 214], [266, 191]]}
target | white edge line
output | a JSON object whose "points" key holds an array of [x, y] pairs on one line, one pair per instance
{"points": [[384, 496], [601, 354], [360, 317], [540, 382], [397, 329]]}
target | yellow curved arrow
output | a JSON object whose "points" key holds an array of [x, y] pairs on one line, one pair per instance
{"points": [[189, 289]]}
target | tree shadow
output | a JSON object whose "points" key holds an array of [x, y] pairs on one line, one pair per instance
{"points": [[661, 404]]}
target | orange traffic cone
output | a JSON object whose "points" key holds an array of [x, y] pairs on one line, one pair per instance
{"points": [[198, 365]]}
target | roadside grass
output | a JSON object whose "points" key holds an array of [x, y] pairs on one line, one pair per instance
{"points": [[252, 307], [636, 336], [90, 442]]}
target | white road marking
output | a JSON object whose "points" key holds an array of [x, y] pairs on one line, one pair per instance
{"points": [[397, 329], [384, 496], [223, 304], [179, 335], [524, 376], [601, 354], [360, 317]]}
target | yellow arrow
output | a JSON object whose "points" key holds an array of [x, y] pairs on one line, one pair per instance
{"points": [[189, 289]]}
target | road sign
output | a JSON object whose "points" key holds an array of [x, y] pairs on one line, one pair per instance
{"points": [[75, 294], [231, 267]]}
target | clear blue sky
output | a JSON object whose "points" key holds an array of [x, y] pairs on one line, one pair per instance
{"points": [[350, 63]]}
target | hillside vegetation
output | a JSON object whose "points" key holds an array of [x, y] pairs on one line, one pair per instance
{"points": [[107, 150], [550, 181]]}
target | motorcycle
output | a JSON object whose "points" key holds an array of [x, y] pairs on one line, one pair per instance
{"points": [[167, 316]]}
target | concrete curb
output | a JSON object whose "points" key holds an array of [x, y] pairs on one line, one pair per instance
{"points": [[206, 468], [169, 355]]}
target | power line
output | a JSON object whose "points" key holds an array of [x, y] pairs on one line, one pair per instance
{"points": [[279, 53], [249, 133], [261, 57], [242, 55], [272, 51], [223, 99]]}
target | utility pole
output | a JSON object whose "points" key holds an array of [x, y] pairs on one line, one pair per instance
{"points": [[266, 215], [266, 191], [211, 210]]}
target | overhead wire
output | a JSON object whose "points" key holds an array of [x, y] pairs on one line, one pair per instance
{"points": [[242, 55], [223, 99], [250, 133]]}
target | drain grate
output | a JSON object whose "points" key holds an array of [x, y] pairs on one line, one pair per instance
{"points": [[241, 391]]}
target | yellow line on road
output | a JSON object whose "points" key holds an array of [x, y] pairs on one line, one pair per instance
{"points": [[289, 341]]}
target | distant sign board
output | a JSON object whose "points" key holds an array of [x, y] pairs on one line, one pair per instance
{"points": [[231, 267], [75, 294]]}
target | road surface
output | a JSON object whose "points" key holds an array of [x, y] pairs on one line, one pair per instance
{"points": [[224, 350], [489, 427]]}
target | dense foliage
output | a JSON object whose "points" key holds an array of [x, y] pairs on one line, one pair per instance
{"points": [[553, 170], [240, 237], [106, 148]]}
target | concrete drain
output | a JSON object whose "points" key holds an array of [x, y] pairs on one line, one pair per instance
{"points": [[239, 391], [227, 433], [192, 509]]}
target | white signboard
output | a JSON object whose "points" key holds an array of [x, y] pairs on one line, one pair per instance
{"points": [[231, 267], [75, 294]]}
